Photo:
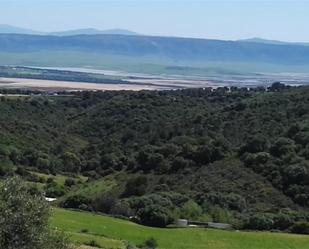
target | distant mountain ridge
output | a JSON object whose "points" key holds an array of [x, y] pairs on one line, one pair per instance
{"points": [[8, 29], [150, 53], [180, 49], [274, 42], [91, 31]]}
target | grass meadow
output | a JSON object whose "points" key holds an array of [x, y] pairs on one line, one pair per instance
{"points": [[110, 233]]}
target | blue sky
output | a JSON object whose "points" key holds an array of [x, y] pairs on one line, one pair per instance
{"points": [[223, 19]]}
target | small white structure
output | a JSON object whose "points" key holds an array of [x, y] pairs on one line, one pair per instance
{"points": [[50, 199]]}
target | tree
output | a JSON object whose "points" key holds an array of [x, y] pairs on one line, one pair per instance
{"points": [[191, 210], [156, 216], [255, 144], [260, 222], [24, 219], [71, 162], [136, 186]]}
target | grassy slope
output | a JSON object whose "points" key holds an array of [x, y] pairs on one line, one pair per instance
{"points": [[104, 229]]}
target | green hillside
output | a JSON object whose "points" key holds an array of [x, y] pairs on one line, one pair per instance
{"points": [[109, 232], [238, 157]]}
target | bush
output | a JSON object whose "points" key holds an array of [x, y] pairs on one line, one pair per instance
{"points": [[300, 227], [77, 202], [156, 216], [260, 222], [191, 210], [93, 243], [105, 203], [150, 243], [136, 186], [69, 182], [24, 219], [53, 190]]}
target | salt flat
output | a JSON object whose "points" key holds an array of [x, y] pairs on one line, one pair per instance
{"points": [[19, 83]]}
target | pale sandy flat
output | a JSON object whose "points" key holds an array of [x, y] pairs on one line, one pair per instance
{"points": [[18, 83]]}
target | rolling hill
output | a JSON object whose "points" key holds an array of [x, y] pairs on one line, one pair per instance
{"points": [[123, 51], [9, 29], [274, 42], [239, 157]]}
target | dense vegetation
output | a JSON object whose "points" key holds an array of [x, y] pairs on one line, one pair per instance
{"points": [[24, 219], [239, 156]]}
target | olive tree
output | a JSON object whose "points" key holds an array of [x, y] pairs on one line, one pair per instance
{"points": [[24, 219]]}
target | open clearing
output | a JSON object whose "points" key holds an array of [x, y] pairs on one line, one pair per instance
{"points": [[136, 82], [110, 232], [34, 84]]}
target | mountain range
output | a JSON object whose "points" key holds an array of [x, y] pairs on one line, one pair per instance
{"points": [[274, 42], [8, 29], [121, 49]]}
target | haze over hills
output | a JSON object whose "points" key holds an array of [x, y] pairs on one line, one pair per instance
{"points": [[181, 49], [274, 42], [91, 31], [124, 50], [8, 29]]}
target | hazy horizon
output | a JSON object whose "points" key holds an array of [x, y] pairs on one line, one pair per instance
{"points": [[283, 20]]}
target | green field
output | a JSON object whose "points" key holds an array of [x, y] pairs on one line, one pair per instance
{"points": [[110, 232]]}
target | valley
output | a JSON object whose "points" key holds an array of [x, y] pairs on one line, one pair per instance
{"points": [[50, 79]]}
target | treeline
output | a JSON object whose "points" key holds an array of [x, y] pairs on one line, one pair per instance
{"points": [[232, 155]]}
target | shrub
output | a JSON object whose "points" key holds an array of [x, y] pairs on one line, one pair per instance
{"points": [[150, 243], [105, 203], [24, 219], [93, 243], [69, 182], [136, 186], [260, 222], [76, 201], [191, 210], [156, 216], [301, 227], [54, 190]]}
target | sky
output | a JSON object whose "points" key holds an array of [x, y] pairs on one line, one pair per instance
{"points": [[286, 20]]}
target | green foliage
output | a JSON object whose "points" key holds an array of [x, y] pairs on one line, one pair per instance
{"points": [[150, 243], [76, 201], [24, 219], [260, 222], [93, 243], [156, 216], [136, 186], [301, 227], [191, 211], [234, 153]]}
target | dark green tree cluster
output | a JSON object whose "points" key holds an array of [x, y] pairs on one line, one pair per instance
{"points": [[234, 152]]}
